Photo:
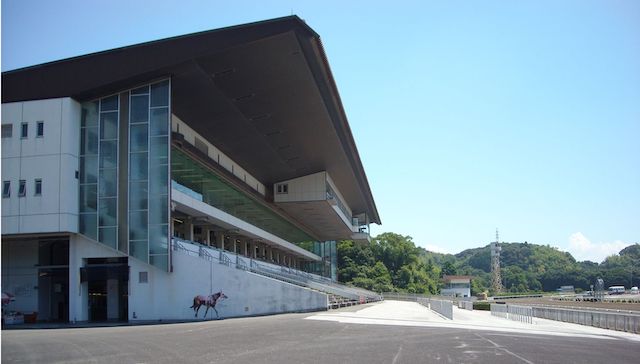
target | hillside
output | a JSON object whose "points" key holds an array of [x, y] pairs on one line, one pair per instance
{"points": [[393, 262]]}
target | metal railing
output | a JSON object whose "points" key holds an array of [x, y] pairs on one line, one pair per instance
{"points": [[465, 305], [513, 312], [283, 273], [620, 321]]}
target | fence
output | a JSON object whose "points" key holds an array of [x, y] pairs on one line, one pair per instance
{"points": [[445, 308], [513, 312], [607, 320], [466, 305]]}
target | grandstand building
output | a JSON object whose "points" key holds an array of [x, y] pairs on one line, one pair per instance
{"points": [[137, 178]]}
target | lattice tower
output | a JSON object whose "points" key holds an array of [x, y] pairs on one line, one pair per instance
{"points": [[496, 278]]}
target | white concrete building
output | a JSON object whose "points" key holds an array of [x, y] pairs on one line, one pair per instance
{"points": [[138, 178]]}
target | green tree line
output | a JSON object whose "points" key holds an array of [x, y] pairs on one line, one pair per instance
{"points": [[393, 262]]}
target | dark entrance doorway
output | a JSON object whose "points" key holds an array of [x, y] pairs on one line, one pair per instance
{"points": [[53, 279], [108, 287]]}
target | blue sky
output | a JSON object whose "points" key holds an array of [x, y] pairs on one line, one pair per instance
{"points": [[468, 116]]}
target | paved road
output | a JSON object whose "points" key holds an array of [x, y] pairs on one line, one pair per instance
{"points": [[389, 332]]}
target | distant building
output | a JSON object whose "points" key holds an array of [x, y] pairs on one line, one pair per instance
{"points": [[457, 286]]}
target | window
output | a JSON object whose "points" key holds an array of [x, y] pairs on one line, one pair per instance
{"points": [[143, 277], [22, 189], [283, 188], [6, 189], [24, 131], [7, 130], [40, 129], [38, 187]]}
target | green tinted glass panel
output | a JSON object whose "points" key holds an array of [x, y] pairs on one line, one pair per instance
{"points": [[109, 103], [108, 182], [160, 261], [158, 239], [88, 225], [89, 114], [139, 249], [138, 167], [139, 138], [89, 141], [138, 195], [158, 209], [88, 198], [138, 228], [89, 169], [109, 236], [139, 109], [107, 213], [160, 121], [109, 125], [160, 94]]}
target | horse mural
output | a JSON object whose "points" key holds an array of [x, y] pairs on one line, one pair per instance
{"points": [[209, 301]]}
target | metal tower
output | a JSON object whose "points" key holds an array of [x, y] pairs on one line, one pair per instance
{"points": [[496, 279]]}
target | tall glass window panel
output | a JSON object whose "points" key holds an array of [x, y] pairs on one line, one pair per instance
{"points": [[89, 114], [88, 198], [158, 209], [109, 236], [138, 167], [160, 121], [89, 141], [138, 138], [107, 211], [160, 94], [139, 109], [160, 261], [109, 154], [139, 249], [89, 169], [159, 151], [158, 239], [89, 225], [138, 195], [109, 125], [108, 182], [138, 225], [109, 103]]}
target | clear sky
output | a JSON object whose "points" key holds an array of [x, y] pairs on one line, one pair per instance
{"points": [[468, 115]]}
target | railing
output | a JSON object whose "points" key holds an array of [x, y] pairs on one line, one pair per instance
{"points": [[513, 312], [607, 320], [445, 308], [465, 305], [283, 273]]}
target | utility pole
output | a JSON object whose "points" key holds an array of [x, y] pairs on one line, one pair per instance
{"points": [[496, 279]]}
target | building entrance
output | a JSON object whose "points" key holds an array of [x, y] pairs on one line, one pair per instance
{"points": [[107, 281]]}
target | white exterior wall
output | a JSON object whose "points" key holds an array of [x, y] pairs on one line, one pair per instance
{"points": [[52, 158], [170, 295], [312, 187], [189, 134], [20, 274]]}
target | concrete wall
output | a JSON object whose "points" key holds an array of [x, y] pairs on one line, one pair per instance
{"points": [[20, 275], [53, 158], [307, 188], [214, 153], [170, 295]]}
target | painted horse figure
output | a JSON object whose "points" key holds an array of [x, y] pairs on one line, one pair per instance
{"points": [[209, 301]]}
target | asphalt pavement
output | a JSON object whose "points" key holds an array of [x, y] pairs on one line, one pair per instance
{"points": [[386, 332]]}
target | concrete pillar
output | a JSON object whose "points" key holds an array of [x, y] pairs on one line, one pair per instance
{"points": [[234, 244], [252, 249], [206, 239], [220, 240], [189, 231]]}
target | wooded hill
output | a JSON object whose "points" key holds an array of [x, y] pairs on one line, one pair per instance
{"points": [[392, 262]]}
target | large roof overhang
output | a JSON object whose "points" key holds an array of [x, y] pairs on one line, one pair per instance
{"points": [[263, 93]]}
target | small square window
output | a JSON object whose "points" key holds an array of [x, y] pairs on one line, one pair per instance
{"points": [[282, 188], [6, 189], [143, 277], [24, 130], [22, 188], [40, 129], [7, 130], [38, 187]]}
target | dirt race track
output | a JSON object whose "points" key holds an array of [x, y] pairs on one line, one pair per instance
{"points": [[554, 301]]}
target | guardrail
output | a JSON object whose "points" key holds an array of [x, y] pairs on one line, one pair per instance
{"points": [[606, 320], [283, 273], [513, 312], [465, 305], [445, 308]]}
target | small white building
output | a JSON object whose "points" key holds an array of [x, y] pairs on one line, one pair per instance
{"points": [[457, 286]]}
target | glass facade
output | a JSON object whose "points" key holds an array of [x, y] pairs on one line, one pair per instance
{"points": [[146, 128], [149, 173]]}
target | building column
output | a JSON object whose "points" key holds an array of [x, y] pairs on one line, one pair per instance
{"points": [[220, 240], [252, 249], [205, 238], [189, 230], [243, 245]]}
